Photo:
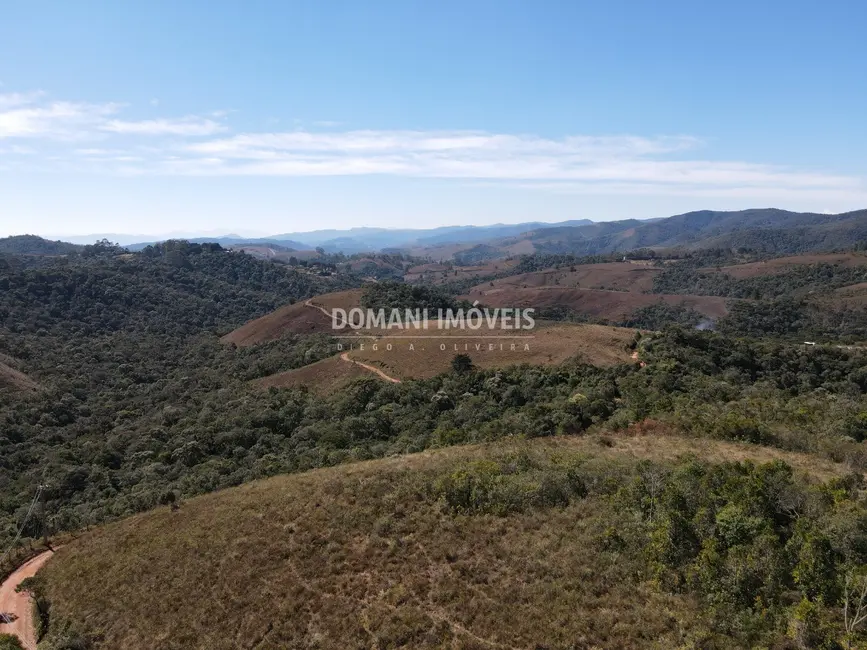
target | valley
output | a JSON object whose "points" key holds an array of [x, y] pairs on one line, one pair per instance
{"points": [[433, 326], [196, 422]]}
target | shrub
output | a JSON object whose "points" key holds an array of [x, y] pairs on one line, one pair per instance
{"points": [[10, 642]]}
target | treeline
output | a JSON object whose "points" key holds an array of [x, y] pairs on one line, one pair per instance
{"points": [[391, 295], [543, 261], [694, 277]]}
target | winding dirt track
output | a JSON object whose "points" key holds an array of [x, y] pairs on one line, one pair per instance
{"points": [[17, 606], [345, 356]]}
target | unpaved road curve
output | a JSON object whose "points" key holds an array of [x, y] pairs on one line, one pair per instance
{"points": [[18, 606], [345, 356]]}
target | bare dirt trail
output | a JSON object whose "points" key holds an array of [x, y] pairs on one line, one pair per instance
{"points": [[17, 606], [309, 303], [345, 356]]}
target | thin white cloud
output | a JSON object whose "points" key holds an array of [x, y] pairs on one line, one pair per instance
{"points": [[10, 100], [598, 163], [185, 126], [472, 143], [201, 145], [32, 115], [26, 116]]}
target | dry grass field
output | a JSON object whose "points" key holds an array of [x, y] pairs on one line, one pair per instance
{"points": [[436, 273], [854, 295], [611, 291], [368, 556], [594, 303], [619, 276], [323, 377], [783, 264], [298, 318], [550, 344]]}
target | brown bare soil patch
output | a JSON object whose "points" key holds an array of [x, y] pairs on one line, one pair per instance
{"points": [[440, 273], [522, 247], [854, 295], [433, 267]]}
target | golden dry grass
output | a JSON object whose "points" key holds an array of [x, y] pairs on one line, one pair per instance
{"points": [[297, 318], [552, 343], [323, 377], [357, 557]]}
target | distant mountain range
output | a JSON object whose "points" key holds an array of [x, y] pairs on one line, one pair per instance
{"points": [[364, 240], [766, 230]]}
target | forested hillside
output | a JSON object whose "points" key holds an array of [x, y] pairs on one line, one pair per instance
{"points": [[132, 401], [174, 288], [118, 342], [769, 231]]}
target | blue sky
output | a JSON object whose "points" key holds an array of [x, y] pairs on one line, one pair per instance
{"points": [[269, 117]]}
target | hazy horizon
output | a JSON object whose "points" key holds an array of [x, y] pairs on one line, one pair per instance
{"points": [[127, 238]]}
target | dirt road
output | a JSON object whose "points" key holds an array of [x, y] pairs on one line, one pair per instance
{"points": [[345, 356], [309, 303], [17, 606]]}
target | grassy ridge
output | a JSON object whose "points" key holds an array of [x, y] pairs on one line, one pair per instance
{"points": [[510, 545]]}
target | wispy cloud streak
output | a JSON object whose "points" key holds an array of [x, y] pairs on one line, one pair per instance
{"points": [[202, 145]]}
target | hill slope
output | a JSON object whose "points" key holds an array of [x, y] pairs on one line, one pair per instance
{"points": [[323, 377], [613, 306], [768, 230], [383, 554], [303, 317], [547, 345]]}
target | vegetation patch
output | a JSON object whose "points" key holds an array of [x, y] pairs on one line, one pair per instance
{"points": [[494, 546]]}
